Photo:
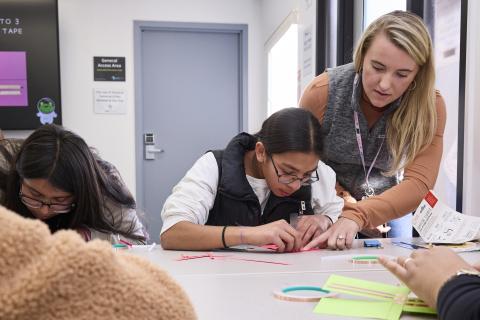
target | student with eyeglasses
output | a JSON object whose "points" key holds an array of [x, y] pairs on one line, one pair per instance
{"points": [[55, 177], [246, 193]]}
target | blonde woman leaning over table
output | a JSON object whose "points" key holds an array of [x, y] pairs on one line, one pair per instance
{"points": [[381, 116]]}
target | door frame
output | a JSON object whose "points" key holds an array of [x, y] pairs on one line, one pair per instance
{"points": [[138, 28]]}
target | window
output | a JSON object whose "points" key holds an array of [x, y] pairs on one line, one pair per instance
{"points": [[372, 9], [443, 18], [283, 66]]}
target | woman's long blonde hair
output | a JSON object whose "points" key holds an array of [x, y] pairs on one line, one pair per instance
{"points": [[411, 128]]}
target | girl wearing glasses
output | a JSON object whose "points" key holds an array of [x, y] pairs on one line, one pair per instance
{"points": [[246, 193], [55, 177]]}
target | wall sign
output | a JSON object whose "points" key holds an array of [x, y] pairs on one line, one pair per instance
{"points": [[109, 68], [110, 101], [29, 64]]}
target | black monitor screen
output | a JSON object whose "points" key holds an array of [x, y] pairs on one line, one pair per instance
{"points": [[29, 64]]}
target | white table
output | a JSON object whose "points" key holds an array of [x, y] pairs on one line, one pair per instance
{"points": [[224, 288]]}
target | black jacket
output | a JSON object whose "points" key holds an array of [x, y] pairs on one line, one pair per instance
{"points": [[236, 203], [458, 298]]}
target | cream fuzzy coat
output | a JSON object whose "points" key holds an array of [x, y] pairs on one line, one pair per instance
{"points": [[60, 276]]}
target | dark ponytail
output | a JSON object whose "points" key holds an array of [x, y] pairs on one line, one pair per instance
{"points": [[291, 129]]}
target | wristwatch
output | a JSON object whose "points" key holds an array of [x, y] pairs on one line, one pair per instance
{"points": [[460, 272], [468, 272]]}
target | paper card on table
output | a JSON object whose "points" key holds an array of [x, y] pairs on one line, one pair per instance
{"points": [[359, 308], [462, 247], [438, 223], [369, 289], [457, 247]]}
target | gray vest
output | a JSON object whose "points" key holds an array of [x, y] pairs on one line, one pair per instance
{"points": [[341, 148]]}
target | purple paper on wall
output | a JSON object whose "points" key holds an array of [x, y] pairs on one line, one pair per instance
{"points": [[13, 79]]}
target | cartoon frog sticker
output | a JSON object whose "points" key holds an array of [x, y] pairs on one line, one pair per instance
{"points": [[46, 110]]}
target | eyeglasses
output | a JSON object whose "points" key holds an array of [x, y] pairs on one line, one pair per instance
{"points": [[53, 207], [290, 178]]}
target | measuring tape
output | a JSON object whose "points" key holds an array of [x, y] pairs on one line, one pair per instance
{"points": [[288, 295]]}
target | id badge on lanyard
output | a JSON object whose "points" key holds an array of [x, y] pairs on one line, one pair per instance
{"points": [[368, 190], [295, 216]]}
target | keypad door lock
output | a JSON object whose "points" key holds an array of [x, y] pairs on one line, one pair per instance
{"points": [[149, 146]]}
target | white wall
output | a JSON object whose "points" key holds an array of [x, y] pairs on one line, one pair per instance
{"points": [[105, 28], [308, 25], [273, 13], [472, 114]]}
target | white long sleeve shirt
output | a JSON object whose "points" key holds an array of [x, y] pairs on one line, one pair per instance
{"points": [[194, 196]]}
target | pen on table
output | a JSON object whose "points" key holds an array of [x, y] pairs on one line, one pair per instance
{"points": [[407, 245], [126, 243]]}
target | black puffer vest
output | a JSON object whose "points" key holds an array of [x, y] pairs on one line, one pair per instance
{"points": [[236, 203]]}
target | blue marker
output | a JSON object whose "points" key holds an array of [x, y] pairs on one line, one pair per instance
{"points": [[372, 244]]}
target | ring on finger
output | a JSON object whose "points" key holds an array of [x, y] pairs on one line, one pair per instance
{"points": [[405, 262], [340, 237]]}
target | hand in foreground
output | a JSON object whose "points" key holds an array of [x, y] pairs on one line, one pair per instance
{"points": [[339, 236], [278, 232], [311, 226], [476, 266], [426, 270]]}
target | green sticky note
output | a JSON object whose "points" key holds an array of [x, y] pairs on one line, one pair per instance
{"points": [[387, 303], [387, 310], [369, 289]]}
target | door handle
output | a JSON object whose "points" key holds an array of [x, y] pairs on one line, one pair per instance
{"points": [[150, 151], [154, 149]]}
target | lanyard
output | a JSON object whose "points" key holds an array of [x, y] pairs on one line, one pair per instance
{"points": [[369, 191]]}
